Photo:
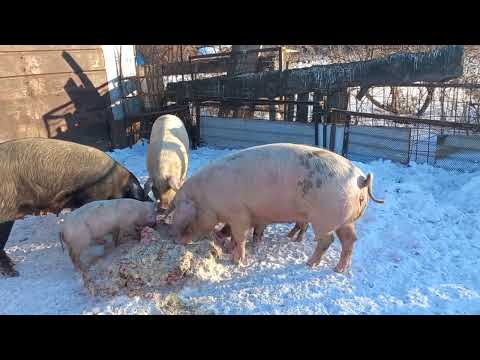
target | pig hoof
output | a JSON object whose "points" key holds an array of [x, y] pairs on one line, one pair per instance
{"points": [[6, 271], [341, 268], [257, 241], [7, 266], [299, 238], [238, 260]]}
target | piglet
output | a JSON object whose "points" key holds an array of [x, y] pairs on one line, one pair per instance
{"points": [[91, 222]]}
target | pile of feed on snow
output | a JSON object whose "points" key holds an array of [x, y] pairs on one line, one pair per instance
{"points": [[155, 263]]}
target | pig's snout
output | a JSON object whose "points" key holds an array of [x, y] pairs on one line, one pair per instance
{"points": [[162, 207]]}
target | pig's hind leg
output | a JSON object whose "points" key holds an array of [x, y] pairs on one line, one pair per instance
{"points": [[347, 237], [138, 232], [301, 233], [324, 240], [258, 231], [299, 230]]}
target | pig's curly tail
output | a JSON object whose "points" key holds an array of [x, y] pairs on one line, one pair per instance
{"points": [[368, 182]]}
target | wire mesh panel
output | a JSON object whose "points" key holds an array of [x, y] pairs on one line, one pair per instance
{"points": [[450, 145], [147, 119]]}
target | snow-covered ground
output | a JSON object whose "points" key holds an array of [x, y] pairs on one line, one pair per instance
{"points": [[419, 253]]}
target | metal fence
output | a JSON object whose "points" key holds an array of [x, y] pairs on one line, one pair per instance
{"points": [[442, 121], [447, 134], [360, 136], [450, 145]]}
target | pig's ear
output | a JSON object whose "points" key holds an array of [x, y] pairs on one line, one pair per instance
{"points": [[174, 183]]}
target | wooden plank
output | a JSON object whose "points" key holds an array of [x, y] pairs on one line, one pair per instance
{"points": [[28, 48], [48, 113], [213, 66], [85, 127], [32, 63], [52, 84], [56, 104]]}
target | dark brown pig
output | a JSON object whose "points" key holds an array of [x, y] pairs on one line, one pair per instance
{"points": [[90, 223], [275, 183], [46, 175]]}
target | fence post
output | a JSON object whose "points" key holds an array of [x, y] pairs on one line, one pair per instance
{"points": [[197, 125], [331, 145], [324, 135], [191, 130], [289, 108], [316, 114], [346, 132]]}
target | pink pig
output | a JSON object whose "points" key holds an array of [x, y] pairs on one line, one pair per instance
{"points": [[91, 222], [275, 183]]}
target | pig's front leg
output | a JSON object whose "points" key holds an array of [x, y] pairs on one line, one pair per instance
{"points": [[239, 240], [138, 232], [220, 238]]}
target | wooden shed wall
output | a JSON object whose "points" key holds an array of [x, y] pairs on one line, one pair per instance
{"points": [[57, 91]]}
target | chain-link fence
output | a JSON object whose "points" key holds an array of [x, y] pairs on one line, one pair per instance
{"points": [[438, 124], [450, 145]]}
